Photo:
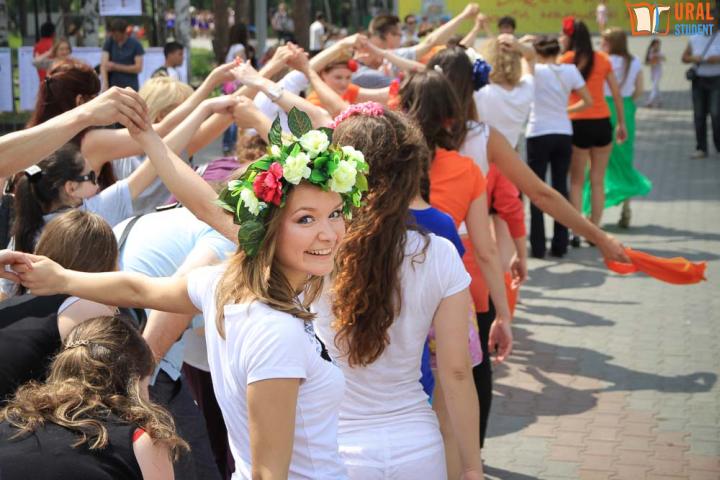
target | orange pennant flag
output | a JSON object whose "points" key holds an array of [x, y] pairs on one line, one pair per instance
{"points": [[678, 270]]}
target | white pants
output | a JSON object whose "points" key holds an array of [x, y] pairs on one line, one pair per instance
{"points": [[655, 75]]}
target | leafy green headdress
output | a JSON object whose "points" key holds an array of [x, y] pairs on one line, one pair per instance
{"points": [[307, 155]]}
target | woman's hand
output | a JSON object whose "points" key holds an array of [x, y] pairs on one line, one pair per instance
{"points": [[612, 250], [117, 105], [43, 277], [620, 133], [299, 60], [14, 260], [221, 74], [472, 475], [223, 104], [518, 269], [247, 75], [245, 113], [500, 339]]}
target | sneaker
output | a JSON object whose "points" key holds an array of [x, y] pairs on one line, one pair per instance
{"points": [[575, 241], [698, 154], [624, 221]]}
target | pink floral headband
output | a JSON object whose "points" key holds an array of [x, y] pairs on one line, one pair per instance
{"points": [[372, 109]]}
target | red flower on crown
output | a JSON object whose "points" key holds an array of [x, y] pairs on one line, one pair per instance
{"points": [[352, 65], [267, 185], [568, 26]]}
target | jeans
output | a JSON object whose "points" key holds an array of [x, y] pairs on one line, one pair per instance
{"points": [[175, 397], [229, 140], [706, 100], [554, 150]]}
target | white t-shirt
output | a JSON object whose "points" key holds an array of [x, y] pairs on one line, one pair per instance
{"points": [[475, 144], [548, 113], [506, 110], [262, 343], [235, 50], [317, 30], [384, 400], [627, 84], [698, 43]]}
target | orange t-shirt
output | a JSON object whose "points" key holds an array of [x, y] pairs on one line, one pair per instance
{"points": [[350, 95], [595, 84], [455, 182]]}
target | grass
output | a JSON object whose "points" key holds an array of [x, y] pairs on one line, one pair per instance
{"points": [[202, 61]]}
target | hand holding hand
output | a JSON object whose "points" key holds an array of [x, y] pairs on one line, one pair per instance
{"points": [[299, 60], [14, 260], [481, 20], [247, 75], [471, 9], [283, 53], [43, 277], [222, 74], [508, 41], [500, 339], [245, 113], [117, 105], [222, 104]]}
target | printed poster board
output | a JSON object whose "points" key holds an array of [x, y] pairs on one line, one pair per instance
{"points": [[6, 81]]}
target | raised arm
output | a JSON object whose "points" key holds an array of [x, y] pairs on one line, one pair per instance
{"points": [[442, 34], [187, 186], [101, 146], [124, 289], [19, 150], [456, 380], [480, 25]]}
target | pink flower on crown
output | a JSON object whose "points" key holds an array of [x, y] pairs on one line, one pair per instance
{"points": [[372, 109], [267, 185]]}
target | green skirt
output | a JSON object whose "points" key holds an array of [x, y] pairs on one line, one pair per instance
{"points": [[622, 181]]}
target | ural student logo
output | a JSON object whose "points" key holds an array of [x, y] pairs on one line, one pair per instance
{"points": [[654, 19]]}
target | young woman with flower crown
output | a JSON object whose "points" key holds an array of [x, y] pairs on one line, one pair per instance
{"points": [[279, 397]]}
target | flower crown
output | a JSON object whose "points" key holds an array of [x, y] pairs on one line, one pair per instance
{"points": [[306, 154]]}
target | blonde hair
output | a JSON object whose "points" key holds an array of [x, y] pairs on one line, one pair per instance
{"points": [[506, 64], [259, 278], [57, 44], [162, 95], [98, 372], [617, 43]]}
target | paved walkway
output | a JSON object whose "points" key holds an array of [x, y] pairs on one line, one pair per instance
{"points": [[616, 377]]}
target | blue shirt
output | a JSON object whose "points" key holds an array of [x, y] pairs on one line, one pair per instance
{"points": [[157, 245], [439, 223], [124, 55]]}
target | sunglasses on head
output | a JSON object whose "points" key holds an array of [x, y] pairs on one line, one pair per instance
{"points": [[88, 177]]}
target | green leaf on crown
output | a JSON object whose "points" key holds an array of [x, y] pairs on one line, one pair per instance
{"points": [[275, 133], [361, 182], [250, 235], [317, 176], [327, 131], [262, 164], [299, 122]]}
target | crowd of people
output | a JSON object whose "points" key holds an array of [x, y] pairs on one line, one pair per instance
{"points": [[325, 301]]}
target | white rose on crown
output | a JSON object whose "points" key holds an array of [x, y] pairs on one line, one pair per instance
{"points": [[353, 154], [314, 142], [275, 151], [296, 168], [251, 202], [342, 179]]}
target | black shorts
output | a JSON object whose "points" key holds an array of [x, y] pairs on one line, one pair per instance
{"points": [[596, 132]]}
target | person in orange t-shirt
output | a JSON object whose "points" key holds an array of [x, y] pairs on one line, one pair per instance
{"points": [[592, 132], [333, 91], [45, 44]]}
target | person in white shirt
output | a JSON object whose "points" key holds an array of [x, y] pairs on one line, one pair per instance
{"points": [[376, 316], [174, 58], [317, 34], [279, 396], [601, 15], [549, 135]]}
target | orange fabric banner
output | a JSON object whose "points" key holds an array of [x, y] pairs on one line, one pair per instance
{"points": [[677, 270]]}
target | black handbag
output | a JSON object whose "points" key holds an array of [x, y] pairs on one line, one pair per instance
{"points": [[691, 73]]}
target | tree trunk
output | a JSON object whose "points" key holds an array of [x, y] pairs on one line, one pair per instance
{"points": [[242, 11], [182, 22], [301, 17], [222, 30], [4, 14], [160, 9], [91, 23], [22, 16], [63, 20]]}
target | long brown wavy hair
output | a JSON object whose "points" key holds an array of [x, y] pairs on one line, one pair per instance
{"points": [[260, 278], [97, 374], [367, 287]]}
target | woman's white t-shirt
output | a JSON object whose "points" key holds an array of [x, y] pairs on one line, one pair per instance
{"points": [[262, 343], [627, 84], [506, 110], [553, 84], [385, 416], [475, 144]]}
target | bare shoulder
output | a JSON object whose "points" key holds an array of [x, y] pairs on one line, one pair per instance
{"points": [[153, 458]]}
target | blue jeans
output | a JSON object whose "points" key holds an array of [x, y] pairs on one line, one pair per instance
{"points": [[706, 100], [229, 141]]}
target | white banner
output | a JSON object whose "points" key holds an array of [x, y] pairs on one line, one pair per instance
{"points": [[6, 81], [120, 7], [29, 80]]}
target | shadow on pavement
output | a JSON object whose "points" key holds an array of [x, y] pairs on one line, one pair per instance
{"points": [[500, 474], [665, 234]]}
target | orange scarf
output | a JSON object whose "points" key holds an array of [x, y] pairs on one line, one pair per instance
{"points": [[678, 270]]}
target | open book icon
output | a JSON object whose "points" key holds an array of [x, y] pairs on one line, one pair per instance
{"points": [[645, 18]]}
